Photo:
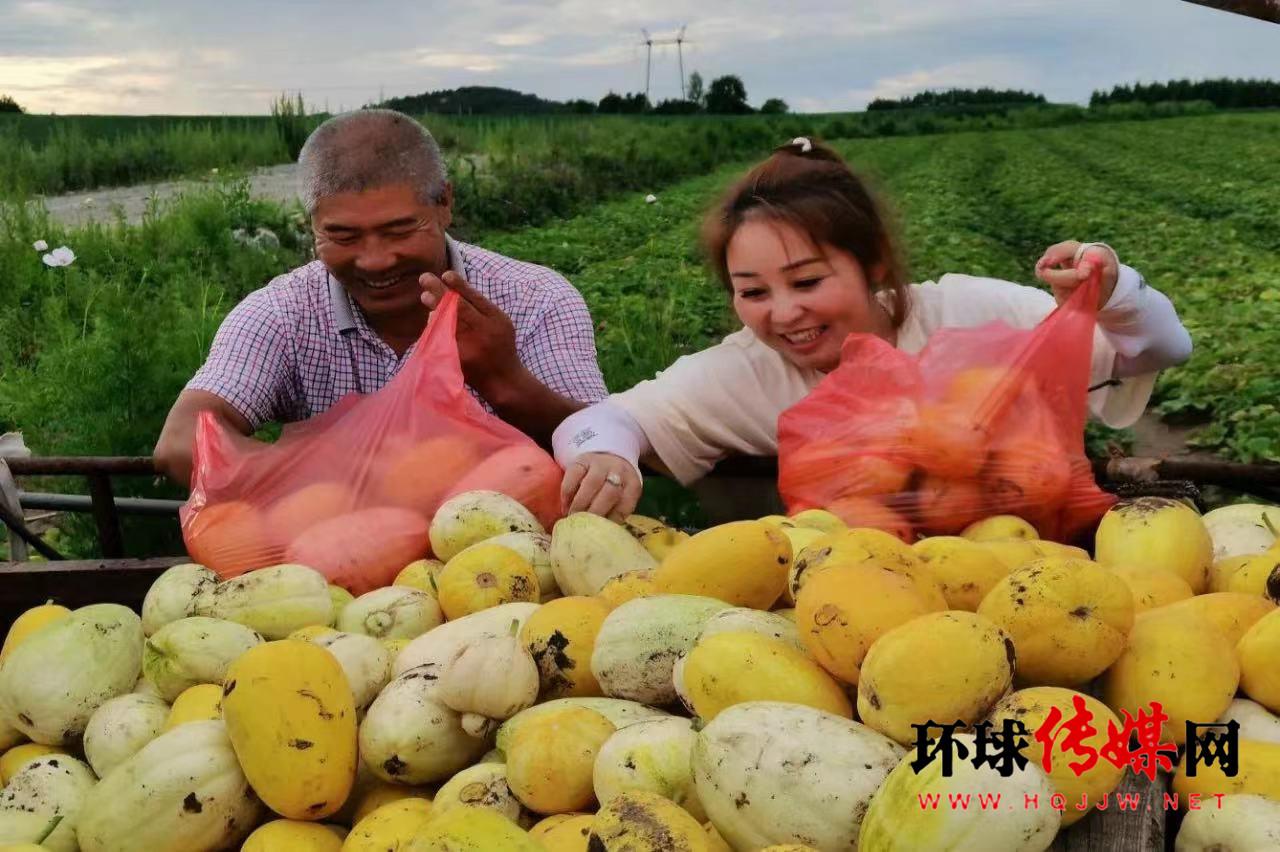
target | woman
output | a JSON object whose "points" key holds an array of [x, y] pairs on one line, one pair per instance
{"points": [[807, 258]]}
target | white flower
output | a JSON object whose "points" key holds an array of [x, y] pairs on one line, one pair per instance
{"points": [[40, 245], [61, 256], [213, 171], [650, 198]]}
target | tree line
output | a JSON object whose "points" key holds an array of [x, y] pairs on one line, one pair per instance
{"points": [[726, 95], [1224, 93], [957, 97]]}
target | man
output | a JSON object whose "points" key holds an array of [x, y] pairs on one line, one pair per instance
{"points": [[375, 186]]}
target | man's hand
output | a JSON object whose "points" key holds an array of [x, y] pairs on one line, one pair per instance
{"points": [[490, 364], [486, 335], [603, 484], [174, 449], [1064, 272]]}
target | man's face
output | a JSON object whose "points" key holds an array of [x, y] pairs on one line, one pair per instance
{"points": [[377, 243]]}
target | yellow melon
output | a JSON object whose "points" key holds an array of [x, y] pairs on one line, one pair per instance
{"points": [[1180, 660], [561, 634], [1068, 619], [743, 563], [965, 569], [661, 542], [1258, 773], [568, 832], [1033, 707], [739, 666], [194, 704], [940, 666], [628, 586], [551, 757], [14, 759], [1259, 652], [1160, 532], [484, 576], [818, 519], [850, 547], [1252, 574], [291, 717], [29, 622], [390, 826], [1152, 587], [640, 821], [1000, 527], [420, 574], [841, 611], [296, 836], [1231, 612]]}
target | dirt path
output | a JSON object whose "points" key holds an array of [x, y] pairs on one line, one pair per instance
{"points": [[278, 183]]}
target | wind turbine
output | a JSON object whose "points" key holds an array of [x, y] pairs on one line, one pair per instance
{"points": [[649, 41]]}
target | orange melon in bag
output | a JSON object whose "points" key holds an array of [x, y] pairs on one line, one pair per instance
{"points": [[420, 476], [365, 550], [306, 507], [231, 538]]}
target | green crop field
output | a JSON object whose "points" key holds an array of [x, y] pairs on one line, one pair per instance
{"points": [[96, 352], [44, 154]]}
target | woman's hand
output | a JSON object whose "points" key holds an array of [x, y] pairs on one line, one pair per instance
{"points": [[603, 484], [1064, 268]]}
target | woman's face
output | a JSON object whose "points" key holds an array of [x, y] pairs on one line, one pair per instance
{"points": [[797, 297]]}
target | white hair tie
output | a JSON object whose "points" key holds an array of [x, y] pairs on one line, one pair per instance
{"points": [[805, 145]]}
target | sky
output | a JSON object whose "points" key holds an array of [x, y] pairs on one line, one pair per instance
{"points": [[236, 56]]}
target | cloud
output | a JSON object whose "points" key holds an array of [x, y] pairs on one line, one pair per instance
{"points": [[478, 63], [517, 39], [996, 72], [52, 23], [596, 58], [42, 11], [216, 57], [235, 55], [36, 73], [89, 83]]}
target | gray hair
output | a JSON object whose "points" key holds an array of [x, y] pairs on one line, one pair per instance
{"points": [[370, 148]]}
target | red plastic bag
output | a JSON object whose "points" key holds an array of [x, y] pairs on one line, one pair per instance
{"points": [[983, 421], [351, 492]]}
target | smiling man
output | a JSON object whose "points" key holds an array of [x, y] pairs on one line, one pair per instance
{"points": [[376, 188]]}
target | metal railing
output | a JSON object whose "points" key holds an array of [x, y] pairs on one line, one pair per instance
{"points": [[1261, 479], [101, 501]]}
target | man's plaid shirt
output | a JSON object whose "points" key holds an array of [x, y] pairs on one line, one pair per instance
{"points": [[295, 347]]}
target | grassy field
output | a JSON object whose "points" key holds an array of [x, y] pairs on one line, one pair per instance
{"points": [[539, 162], [100, 348], [1192, 203]]}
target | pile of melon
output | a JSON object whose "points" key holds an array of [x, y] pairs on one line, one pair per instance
{"points": [[634, 688]]}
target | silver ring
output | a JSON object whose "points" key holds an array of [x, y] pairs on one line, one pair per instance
{"points": [[613, 479]]}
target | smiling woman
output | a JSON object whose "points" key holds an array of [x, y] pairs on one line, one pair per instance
{"points": [[775, 256], [804, 250]]}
